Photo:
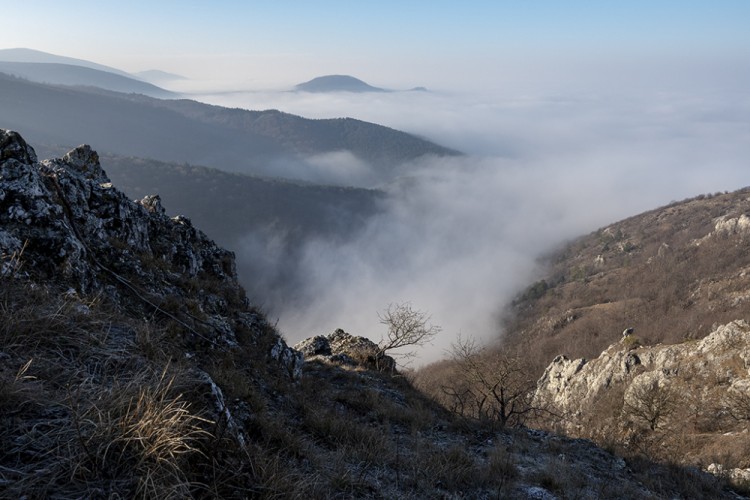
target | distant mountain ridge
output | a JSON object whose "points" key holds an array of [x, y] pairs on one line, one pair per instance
{"points": [[337, 83], [68, 74], [269, 143], [37, 56], [156, 76]]}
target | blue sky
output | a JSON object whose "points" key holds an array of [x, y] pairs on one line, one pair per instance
{"points": [[419, 42]]}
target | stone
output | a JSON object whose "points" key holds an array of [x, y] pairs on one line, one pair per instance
{"points": [[62, 222], [573, 386], [344, 348], [13, 147]]}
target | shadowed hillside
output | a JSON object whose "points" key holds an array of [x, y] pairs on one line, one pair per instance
{"points": [[267, 222]]}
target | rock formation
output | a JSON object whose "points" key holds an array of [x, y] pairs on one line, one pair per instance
{"points": [[346, 349], [698, 389], [66, 224]]}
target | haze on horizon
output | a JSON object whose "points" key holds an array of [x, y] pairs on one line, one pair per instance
{"points": [[449, 45], [572, 115]]}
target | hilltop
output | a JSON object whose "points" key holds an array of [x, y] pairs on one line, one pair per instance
{"points": [[336, 83], [133, 365]]}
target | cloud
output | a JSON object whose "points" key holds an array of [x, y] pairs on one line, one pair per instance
{"points": [[459, 237]]}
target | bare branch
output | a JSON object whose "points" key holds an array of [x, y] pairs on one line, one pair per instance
{"points": [[406, 327]]}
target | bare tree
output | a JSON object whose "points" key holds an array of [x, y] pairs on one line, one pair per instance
{"points": [[650, 403], [489, 385], [406, 327], [737, 403]]}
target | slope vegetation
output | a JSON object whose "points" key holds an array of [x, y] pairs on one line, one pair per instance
{"points": [[133, 366], [671, 274]]}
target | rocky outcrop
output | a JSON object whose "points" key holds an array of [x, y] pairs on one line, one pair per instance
{"points": [[659, 396], [345, 349], [573, 385], [63, 222]]}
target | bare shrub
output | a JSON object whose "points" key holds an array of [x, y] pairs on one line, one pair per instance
{"points": [[406, 327], [737, 403], [488, 385]]}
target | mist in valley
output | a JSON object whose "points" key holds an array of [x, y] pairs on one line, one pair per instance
{"points": [[459, 237], [365, 216]]}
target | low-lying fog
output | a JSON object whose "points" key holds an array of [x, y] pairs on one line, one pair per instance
{"points": [[459, 236]]}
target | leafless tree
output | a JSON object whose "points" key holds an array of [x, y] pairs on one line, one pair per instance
{"points": [[489, 385], [737, 403], [406, 327], [650, 403]]}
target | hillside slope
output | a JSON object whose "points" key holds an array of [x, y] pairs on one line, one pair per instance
{"points": [[670, 273], [131, 365], [266, 222], [268, 143], [68, 74], [37, 56]]}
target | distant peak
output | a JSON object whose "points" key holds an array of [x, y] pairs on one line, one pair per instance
{"points": [[337, 83]]}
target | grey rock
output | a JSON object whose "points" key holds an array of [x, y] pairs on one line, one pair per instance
{"points": [[62, 221], [573, 386], [344, 348]]}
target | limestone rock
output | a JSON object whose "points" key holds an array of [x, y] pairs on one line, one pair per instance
{"points": [[574, 386], [62, 221], [343, 348]]}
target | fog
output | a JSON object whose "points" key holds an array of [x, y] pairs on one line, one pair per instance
{"points": [[459, 237]]}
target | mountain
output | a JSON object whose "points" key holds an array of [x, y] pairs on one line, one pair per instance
{"points": [[158, 77], [67, 74], [134, 366], [268, 143], [336, 83], [36, 56], [635, 337]]}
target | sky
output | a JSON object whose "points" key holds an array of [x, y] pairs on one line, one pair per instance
{"points": [[572, 114], [391, 43]]}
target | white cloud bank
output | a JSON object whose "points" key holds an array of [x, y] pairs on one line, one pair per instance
{"points": [[460, 236]]}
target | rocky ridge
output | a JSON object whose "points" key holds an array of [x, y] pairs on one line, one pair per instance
{"points": [[72, 227], [698, 390]]}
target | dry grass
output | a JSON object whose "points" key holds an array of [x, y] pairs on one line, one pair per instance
{"points": [[94, 404], [140, 431], [84, 412]]}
